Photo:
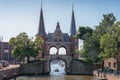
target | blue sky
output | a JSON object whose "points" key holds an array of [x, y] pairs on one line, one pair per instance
{"points": [[18, 16]]}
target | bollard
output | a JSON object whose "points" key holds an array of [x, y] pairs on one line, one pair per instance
{"points": [[36, 75], [5, 77], [14, 76]]}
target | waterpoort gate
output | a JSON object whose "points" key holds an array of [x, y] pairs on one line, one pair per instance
{"points": [[58, 45]]}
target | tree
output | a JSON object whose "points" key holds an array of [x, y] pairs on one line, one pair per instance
{"points": [[25, 46], [91, 38], [84, 32], [110, 42]]}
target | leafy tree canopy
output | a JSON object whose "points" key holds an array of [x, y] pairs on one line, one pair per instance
{"points": [[110, 42], [91, 38], [25, 46], [84, 32]]}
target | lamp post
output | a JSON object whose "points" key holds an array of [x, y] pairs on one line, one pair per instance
{"points": [[14, 76], [1, 74], [36, 74], [5, 77], [1, 41]]}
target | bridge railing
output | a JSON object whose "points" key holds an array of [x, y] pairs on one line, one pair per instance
{"points": [[65, 57]]}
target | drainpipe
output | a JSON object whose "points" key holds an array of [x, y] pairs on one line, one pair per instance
{"points": [[117, 64]]}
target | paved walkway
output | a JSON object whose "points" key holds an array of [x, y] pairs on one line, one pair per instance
{"points": [[10, 67]]}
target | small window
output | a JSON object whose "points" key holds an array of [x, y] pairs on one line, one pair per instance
{"points": [[114, 65], [6, 51], [55, 40], [109, 64], [60, 40]]}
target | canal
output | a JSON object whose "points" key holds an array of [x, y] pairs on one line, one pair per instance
{"points": [[57, 73]]}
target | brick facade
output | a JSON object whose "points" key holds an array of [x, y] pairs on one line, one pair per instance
{"points": [[110, 63], [5, 52]]}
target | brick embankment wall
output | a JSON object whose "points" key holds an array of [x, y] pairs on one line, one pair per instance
{"points": [[29, 68], [34, 67], [9, 72], [80, 67], [107, 76]]}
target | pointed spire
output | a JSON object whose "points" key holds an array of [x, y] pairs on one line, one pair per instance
{"points": [[73, 25], [58, 31], [58, 26], [41, 27]]}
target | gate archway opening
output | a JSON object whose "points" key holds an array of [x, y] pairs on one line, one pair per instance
{"points": [[57, 67]]}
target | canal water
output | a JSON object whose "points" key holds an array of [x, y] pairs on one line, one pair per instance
{"points": [[57, 73]]}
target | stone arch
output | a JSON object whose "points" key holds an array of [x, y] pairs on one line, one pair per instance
{"points": [[67, 59], [58, 59]]}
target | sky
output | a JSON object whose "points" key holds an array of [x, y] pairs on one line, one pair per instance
{"points": [[18, 16]]}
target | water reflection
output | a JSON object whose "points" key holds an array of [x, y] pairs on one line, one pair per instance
{"points": [[56, 75]]}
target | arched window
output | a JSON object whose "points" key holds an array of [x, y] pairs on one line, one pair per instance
{"points": [[53, 51], [62, 51]]}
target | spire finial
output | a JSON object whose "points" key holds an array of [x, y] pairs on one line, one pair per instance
{"points": [[73, 5], [41, 3]]}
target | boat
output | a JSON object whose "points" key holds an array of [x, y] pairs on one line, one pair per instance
{"points": [[62, 65], [56, 70]]}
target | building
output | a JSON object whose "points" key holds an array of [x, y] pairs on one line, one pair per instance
{"points": [[5, 52], [112, 64], [58, 39]]}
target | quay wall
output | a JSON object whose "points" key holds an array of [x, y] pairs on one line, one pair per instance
{"points": [[38, 67], [80, 67], [9, 72]]}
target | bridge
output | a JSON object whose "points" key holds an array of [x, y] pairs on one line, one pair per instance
{"points": [[65, 58]]}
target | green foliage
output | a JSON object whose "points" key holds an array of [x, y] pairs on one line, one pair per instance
{"points": [[110, 41], [84, 32], [92, 39], [25, 46]]}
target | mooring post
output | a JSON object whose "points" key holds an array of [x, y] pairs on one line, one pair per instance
{"points": [[5, 77], [14, 76]]}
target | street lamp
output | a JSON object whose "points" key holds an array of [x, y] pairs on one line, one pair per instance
{"points": [[1, 41], [36, 73], [5, 77], [14, 76]]}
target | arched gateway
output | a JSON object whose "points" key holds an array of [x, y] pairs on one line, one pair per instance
{"points": [[58, 45]]}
